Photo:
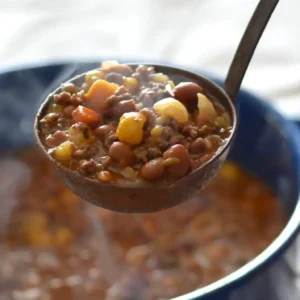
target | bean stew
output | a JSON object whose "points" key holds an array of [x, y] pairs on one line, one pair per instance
{"points": [[126, 125], [56, 247]]}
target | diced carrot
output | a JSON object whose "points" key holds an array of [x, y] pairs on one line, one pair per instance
{"points": [[99, 92], [87, 116]]}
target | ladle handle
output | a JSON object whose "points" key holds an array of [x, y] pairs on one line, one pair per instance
{"points": [[247, 46]]}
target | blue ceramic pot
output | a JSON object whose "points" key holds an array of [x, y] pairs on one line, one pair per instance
{"points": [[267, 144]]}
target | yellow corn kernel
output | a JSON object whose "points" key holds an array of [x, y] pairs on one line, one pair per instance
{"points": [[63, 236], [172, 161], [156, 131], [92, 76], [171, 83], [128, 172], [130, 83], [34, 220], [64, 151], [39, 238], [130, 128], [55, 108], [106, 65], [230, 171], [207, 112], [160, 78], [81, 136], [170, 107]]}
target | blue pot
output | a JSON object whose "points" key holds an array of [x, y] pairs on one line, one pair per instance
{"points": [[267, 144]]}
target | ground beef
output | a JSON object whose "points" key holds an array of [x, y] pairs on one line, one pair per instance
{"points": [[142, 73], [190, 131], [88, 167], [118, 98], [167, 133], [141, 154], [110, 139], [154, 152], [177, 139], [65, 98], [56, 138]]}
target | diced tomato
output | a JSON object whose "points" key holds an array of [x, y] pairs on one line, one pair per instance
{"points": [[87, 116]]}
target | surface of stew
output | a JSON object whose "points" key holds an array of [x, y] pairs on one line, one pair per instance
{"points": [[133, 126], [57, 247]]}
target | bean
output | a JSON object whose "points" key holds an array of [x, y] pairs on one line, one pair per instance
{"points": [[117, 110], [153, 169], [102, 131], [104, 176], [198, 146], [180, 152], [121, 153], [186, 92]]}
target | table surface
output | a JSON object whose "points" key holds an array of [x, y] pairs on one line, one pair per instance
{"points": [[201, 33]]}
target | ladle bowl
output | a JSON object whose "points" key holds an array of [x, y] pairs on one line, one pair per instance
{"points": [[150, 198], [137, 199]]}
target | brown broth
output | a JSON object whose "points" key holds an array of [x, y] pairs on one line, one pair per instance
{"points": [[55, 245]]}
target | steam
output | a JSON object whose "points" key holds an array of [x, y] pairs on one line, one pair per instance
{"points": [[14, 176]]}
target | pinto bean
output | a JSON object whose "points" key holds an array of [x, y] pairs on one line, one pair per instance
{"points": [[180, 152], [121, 153], [153, 169]]}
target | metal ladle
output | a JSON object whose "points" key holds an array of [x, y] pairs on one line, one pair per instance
{"points": [[134, 199]]}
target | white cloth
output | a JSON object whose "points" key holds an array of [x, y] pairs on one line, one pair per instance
{"points": [[199, 33]]}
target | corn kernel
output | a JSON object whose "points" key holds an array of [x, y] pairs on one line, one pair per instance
{"points": [[34, 220], [130, 83], [106, 65], [55, 108], [128, 172], [230, 171], [207, 112], [64, 151], [63, 236], [160, 78], [156, 131], [172, 161], [39, 238], [171, 84], [92, 76], [130, 128], [81, 137], [170, 107]]}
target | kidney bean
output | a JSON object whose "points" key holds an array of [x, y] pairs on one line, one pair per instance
{"points": [[180, 152], [121, 153], [186, 92], [102, 131], [198, 146], [116, 111], [153, 169]]}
